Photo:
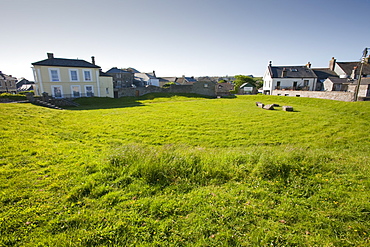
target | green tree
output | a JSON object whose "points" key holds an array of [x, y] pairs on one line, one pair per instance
{"points": [[241, 79]]}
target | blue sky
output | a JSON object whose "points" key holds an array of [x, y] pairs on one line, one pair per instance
{"points": [[183, 37]]}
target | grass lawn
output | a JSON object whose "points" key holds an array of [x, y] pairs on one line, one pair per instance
{"points": [[166, 170]]}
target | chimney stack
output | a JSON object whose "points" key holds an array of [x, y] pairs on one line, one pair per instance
{"points": [[93, 60], [332, 64], [283, 74], [367, 60], [353, 75], [50, 55], [308, 65]]}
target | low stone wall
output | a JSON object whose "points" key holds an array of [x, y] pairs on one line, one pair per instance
{"points": [[333, 95], [180, 89]]}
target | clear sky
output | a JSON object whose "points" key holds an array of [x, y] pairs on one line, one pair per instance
{"points": [[183, 37]]}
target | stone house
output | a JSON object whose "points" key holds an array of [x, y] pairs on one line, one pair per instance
{"points": [[25, 85], [323, 74], [348, 74], [223, 89], [364, 90], [121, 77], [8, 83], [335, 84], [204, 87], [71, 78], [350, 69]]}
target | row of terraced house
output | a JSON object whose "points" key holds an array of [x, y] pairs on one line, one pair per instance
{"points": [[339, 81]]}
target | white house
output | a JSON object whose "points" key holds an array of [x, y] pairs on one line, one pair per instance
{"points": [[289, 78], [147, 78], [350, 69]]}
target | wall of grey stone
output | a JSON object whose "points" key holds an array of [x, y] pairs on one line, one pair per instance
{"points": [[204, 88], [333, 95], [197, 88]]}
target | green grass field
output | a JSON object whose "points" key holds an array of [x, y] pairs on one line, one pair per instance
{"points": [[165, 170]]}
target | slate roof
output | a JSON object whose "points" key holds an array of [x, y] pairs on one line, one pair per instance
{"points": [[167, 79], [247, 84], [365, 81], [115, 70], [337, 80], [324, 73], [26, 87], [190, 79], [348, 67], [101, 73], [64, 62], [132, 70], [291, 72], [145, 76]]}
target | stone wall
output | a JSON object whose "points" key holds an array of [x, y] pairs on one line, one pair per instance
{"points": [[197, 88], [333, 95]]}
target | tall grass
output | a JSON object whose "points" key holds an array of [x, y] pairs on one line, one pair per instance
{"points": [[178, 171]]}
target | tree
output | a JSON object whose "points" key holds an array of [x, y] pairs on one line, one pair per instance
{"points": [[241, 79]]}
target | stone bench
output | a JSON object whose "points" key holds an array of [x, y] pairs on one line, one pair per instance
{"points": [[269, 107], [287, 108]]}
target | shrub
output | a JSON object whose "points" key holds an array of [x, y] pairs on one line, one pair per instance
{"points": [[11, 97]]}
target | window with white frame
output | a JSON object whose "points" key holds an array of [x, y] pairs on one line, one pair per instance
{"points": [[54, 74], [76, 89], [87, 75], [89, 90], [73, 75], [57, 91]]}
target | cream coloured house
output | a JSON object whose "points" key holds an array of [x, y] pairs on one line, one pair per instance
{"points": [[71, 78]]}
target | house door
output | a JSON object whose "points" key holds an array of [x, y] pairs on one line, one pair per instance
{"points": [[368, 91]]}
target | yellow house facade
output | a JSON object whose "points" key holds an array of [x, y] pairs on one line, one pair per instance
{"points": [[71, 78]]}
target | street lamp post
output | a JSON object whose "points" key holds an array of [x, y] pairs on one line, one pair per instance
{"points": [[364, 54]]}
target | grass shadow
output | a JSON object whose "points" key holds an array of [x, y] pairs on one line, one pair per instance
{"points": [[94, 103]]}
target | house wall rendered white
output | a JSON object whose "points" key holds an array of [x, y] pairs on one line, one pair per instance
{"points": [[267, 81], [270, 83], [328, 85], [339, 71], [153, 82]]}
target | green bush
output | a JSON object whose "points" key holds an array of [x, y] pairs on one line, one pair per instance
{"points": [[12, 97], [25, 92]]}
